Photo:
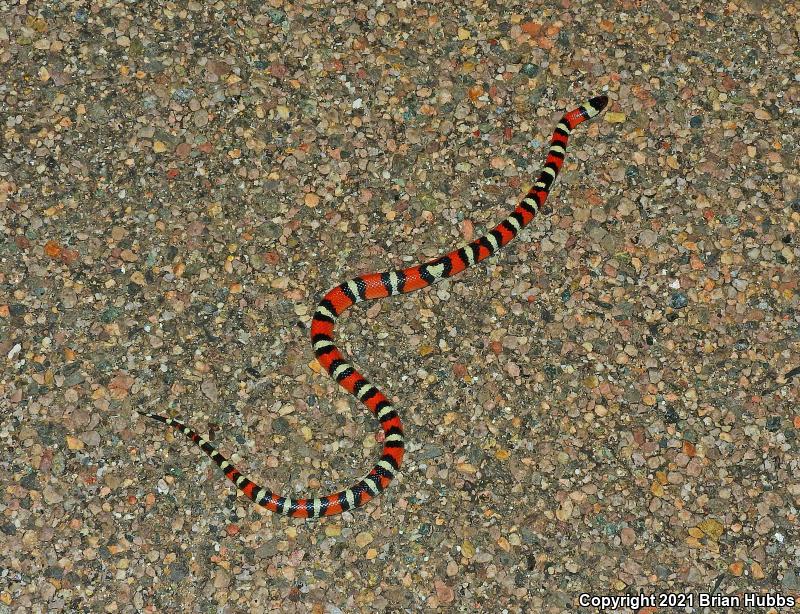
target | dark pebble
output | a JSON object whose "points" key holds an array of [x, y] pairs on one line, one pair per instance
{"points": [[529, 537], [17, 309], [102, 365], [696, 121], [530, 70], [773, 423], [183, 94], [178, 571], [679, 300], [551, 371], [154, 67], [73, 380], [109, 315], [276, 16], [54, 572], [29, 482], [790, 582], [671, 416], [741, 345], [280, 426]]}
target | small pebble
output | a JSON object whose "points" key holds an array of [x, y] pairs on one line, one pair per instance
{"points": [[679, 300]]}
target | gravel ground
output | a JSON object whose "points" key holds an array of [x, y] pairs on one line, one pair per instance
{"points": [[607, 406]]}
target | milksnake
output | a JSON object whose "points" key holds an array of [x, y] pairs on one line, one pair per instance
{"points": [[379, 285]]}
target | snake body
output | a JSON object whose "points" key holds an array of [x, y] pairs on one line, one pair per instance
{"points": [[379, 285]]}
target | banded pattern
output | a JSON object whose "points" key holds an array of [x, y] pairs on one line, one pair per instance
{"points": [[376, 286]]}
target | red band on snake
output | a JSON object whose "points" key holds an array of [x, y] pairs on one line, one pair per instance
{"points": [[376, 286]]}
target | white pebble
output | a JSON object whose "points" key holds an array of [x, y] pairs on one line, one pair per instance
{"points": [[14, 351]]}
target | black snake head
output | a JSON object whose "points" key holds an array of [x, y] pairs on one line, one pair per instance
{"points": [[599, 102]]}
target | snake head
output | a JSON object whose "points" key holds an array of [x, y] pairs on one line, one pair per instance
{"points": [[599, 102]]}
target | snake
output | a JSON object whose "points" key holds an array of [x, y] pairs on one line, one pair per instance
{"points": [[375, 286]]}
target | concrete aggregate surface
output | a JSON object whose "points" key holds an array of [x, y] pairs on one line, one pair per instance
{"points": [[607, 406]]}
